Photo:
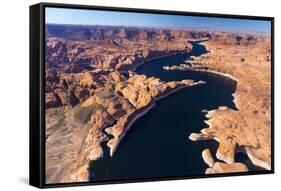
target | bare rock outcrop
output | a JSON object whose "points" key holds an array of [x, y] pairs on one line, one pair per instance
{"points": [[246, 59], [221, 167], [208, 158]]}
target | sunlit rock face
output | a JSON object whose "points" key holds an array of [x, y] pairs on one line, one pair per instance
{"points": [[246, 59]]}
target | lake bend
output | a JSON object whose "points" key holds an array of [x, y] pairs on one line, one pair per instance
{"points": [[157, 144]]}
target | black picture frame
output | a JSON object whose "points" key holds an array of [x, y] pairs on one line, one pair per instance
{"points": [[37, 95]]}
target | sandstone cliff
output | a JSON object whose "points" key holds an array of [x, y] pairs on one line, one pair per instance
{"points": [[79, 48]]}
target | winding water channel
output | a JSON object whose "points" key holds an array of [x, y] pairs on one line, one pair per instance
{"points": [[157, 144]]}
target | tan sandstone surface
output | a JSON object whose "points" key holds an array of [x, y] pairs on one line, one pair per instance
{"points": [[246, 59], [221, 167]]}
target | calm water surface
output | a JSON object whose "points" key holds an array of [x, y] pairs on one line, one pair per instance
{"points": [[157, 144]]}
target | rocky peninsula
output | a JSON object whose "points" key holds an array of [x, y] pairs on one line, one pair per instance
{"points": [[246, 58]]}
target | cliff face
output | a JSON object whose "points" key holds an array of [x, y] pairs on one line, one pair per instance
{"points": [[247, 59], [126, 34], [87, 96], [76, 48]]}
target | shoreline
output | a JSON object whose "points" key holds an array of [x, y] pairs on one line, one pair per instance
{"points": [[149, 107], [234, 95], [128, 126], [136, 65], [203, 70], [177, 89], [219, 73], [134, 68]]}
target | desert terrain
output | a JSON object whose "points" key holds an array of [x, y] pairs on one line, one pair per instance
{"points": [[93, 94]]}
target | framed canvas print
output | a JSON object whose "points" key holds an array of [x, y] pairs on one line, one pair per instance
{"points": [[123, 95]]}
